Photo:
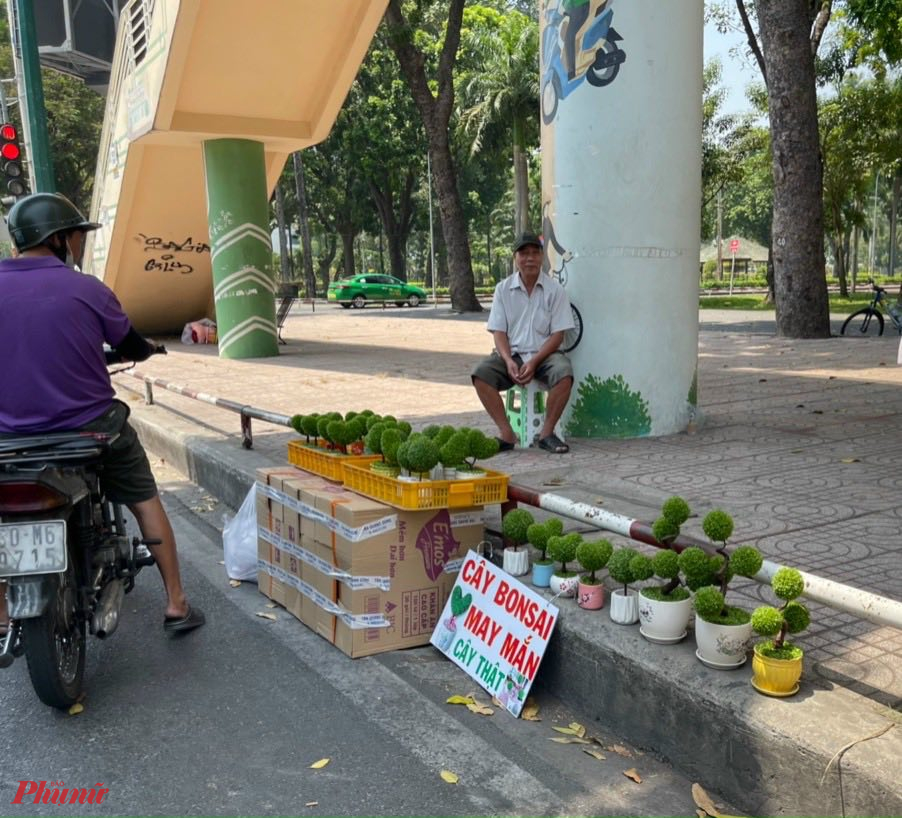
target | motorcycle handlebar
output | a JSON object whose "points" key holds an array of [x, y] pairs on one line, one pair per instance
{"points": [[112, 357]]}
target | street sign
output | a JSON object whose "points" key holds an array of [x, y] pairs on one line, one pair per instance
{"points": [[734, 246], [495, 629]]}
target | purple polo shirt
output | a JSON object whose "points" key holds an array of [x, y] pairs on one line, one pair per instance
{"points": [[53, 323]]}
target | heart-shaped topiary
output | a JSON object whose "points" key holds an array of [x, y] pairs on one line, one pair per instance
{"points": [[459, 602]]}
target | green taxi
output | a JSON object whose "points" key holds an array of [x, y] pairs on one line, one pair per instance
{"points": [[356, 291]]}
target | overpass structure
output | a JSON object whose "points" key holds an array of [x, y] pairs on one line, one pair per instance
{"points": [[207, 100]]}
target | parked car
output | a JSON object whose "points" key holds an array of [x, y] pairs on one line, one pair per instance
{"points": [[357, 290]]}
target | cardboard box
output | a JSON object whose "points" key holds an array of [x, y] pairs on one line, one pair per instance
{"points": [[268, 512], [408, 549]]}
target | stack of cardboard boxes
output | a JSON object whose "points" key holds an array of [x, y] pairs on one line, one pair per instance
{"points": [[366, 576]]}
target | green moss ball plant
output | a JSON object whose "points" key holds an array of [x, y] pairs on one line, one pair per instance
{"points": [[537, 536], [593, 555], [777, 623], [515, 525], [622, 567]]}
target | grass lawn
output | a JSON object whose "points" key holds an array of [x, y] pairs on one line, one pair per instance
{"points": [[748, 301]]}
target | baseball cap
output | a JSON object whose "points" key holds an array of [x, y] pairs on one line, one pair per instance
{"points": [[525, 240]]}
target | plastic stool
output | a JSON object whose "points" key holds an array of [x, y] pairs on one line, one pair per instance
{"points": [[525, 409]]}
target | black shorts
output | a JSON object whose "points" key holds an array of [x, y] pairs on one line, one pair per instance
{"points": [[126, 476], [493, 370]]}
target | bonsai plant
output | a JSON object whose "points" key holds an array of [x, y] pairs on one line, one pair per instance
{"points": [[479, 447], [538, 535], [722, 631], [515, 525], [452, 451], [592, 556], [664, 610], [418, 454], [776, 663], [624, 603], [563, 549]]}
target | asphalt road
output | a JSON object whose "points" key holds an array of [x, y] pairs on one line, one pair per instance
{"points": [[228, 720]]}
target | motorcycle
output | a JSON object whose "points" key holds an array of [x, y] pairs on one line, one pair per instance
{"points": [[64, 556], [598, 58]]}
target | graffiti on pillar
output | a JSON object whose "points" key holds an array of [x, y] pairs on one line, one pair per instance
{"points": [[608, 409], [554, 255], [578, 44]]}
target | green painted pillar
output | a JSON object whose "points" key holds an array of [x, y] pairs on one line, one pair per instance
{"points": [[240, 248]]}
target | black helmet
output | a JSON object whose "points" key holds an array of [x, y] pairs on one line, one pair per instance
{"points": [[35, 218]]}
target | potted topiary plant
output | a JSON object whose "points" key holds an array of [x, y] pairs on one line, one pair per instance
{"points": [[776, 663], [592, 555], [722, 632], [624, 603], [562, 548], [420, 455], [452, 450], [514, 526], [664, 610], [537, 535]]}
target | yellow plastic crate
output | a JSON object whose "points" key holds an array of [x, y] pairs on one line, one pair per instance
{"points": [[323, 462], [424, 494]]}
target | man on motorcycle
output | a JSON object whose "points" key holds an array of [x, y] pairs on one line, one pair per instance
{"points": [[53, 323]]}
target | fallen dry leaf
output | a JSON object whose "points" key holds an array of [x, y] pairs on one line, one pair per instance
{"points": [[480, 709], [530, 711], [578, 729], [620, 750], [496, 702], [596, 754], [235, 583], [633, 775], [76, 708], [449, 777], [571, 740], [701, 813], [850, 460], [269, 616], [460, 700], [318, 765], [270, 604], [312, 804], [703, 800]]}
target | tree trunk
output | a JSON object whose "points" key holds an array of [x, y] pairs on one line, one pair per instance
{"points": [[798, 223], [284, 247], [894, 209], [435, 111], [304, 221], [521, 182], [396, 226], [770, 298], [855, 237], [330, 248], [347, 246]]}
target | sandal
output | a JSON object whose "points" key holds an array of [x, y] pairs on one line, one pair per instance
{"points": [[553, 444], [179, 624], [505, 445]]}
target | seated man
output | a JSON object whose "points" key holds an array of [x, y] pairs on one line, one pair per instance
{"points": [[53, 323], [530, 314]]}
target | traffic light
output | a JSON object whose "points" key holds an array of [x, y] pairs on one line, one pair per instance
{"points": [[13, 183]]}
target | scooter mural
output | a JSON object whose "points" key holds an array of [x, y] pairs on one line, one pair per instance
{"points": [[578, 43]]}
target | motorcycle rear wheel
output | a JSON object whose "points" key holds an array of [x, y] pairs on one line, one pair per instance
{"points": [[55, 644]]}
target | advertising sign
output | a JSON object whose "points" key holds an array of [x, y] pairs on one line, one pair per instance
{"points": [[496, 630]]}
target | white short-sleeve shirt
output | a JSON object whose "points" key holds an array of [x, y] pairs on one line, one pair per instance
{"points": [[529, 320]]}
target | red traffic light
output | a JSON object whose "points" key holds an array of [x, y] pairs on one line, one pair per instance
{"points": [[9, 132], [10, 151]]}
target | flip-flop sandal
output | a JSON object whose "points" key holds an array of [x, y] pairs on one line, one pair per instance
{"points": [[180, 624], [553, 444], [505, 445]]}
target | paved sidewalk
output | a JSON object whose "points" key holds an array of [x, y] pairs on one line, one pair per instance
{"points": [[800, 441]]}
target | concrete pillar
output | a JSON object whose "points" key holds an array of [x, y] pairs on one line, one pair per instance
{"points": [[621, 193], [240, 248]]}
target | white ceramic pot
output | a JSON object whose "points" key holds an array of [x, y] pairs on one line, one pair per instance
{"points": [[624, 607], [516, 561], [564, 586], [664, 622], [722, 646]]}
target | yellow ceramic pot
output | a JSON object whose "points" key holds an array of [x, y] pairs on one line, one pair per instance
{"points": [[775, 677]]}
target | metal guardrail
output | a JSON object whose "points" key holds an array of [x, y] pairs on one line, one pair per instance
{"points": [[863, 604], [246, 412]]}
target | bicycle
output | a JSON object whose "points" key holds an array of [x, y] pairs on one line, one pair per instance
{"points": [[572, 337], [871, 317]]}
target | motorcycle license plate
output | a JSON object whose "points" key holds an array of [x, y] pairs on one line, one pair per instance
{"points": [[32, 548]]}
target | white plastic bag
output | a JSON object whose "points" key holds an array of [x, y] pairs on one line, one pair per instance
{"points": [[239, 540]]}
